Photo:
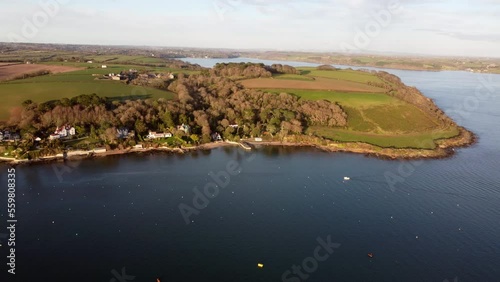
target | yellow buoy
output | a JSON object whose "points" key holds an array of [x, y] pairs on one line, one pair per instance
{"points": [[260, 265]]}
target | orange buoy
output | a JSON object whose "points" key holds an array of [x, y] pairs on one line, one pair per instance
{"points": [[370, 255]]}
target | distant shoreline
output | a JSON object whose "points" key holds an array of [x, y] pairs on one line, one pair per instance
{"points": [[446, 148], [389, 66]]}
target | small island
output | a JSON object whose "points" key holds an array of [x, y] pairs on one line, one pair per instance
{"points": [[166, 104]]}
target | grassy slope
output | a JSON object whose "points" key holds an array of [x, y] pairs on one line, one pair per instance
{"points": [[67, 85], [374, 118], [349, 75], [319, 83]]}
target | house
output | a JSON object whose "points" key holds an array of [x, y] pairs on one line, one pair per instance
{"points": [[156, 135], [257, 139], [104, 67], [185, 128], [54, 136], [38, 139], [115, 76], [122, 133], [89, 62], [138, 146], [63, 131], [216, 137]]}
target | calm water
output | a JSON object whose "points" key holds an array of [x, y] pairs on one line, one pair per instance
{"points": [[123, 212]]}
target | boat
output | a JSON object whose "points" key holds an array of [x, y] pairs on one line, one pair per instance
{"points": [[346, 178]]}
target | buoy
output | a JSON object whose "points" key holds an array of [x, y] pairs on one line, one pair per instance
{"points": [[370, 255], [260, 265]]}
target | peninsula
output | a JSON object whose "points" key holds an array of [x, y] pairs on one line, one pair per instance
{"points": [[75, 104]]}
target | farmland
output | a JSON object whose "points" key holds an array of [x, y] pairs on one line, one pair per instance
{"points": [[346, 75], [318, 83], [12, 71], [373, 117], [71, 84]]}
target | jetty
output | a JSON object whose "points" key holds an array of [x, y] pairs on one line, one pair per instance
{"points": [[242, 145]]}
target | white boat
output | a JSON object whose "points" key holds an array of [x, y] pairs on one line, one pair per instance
{"points": [[346, 178]]}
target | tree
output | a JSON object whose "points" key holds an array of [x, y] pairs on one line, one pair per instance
{"points": [[195, 138], [167, 119], [140, 127], [110, 135], [26, 103]]}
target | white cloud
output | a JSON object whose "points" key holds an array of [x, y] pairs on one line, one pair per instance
{"points": [[454, 27]]}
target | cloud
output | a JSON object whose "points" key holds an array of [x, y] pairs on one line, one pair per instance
{"points": [[490, 37]]}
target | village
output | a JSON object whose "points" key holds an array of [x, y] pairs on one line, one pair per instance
{"points": [[67, 134]]}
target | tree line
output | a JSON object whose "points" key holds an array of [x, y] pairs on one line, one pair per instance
{"points": [[206, 103]]}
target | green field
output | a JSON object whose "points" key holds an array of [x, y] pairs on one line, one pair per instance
{"points": [[96, 67], [71, 84], [419, 141], [352, 99], [349, 75], [377, 119]]}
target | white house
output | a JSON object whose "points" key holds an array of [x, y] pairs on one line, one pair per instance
{"points": [[63, 131], [54, 136], [89, 62], [104, 66], [156, 135], [184, 127]]}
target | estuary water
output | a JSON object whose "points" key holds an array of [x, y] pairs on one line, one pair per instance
{"points": [[118, 218]]}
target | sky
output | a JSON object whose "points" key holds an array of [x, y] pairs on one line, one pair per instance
{"points": [[426, 27]]}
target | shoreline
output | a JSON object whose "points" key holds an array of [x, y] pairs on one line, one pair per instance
{"points": [[404, 68], [445, 148]]}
